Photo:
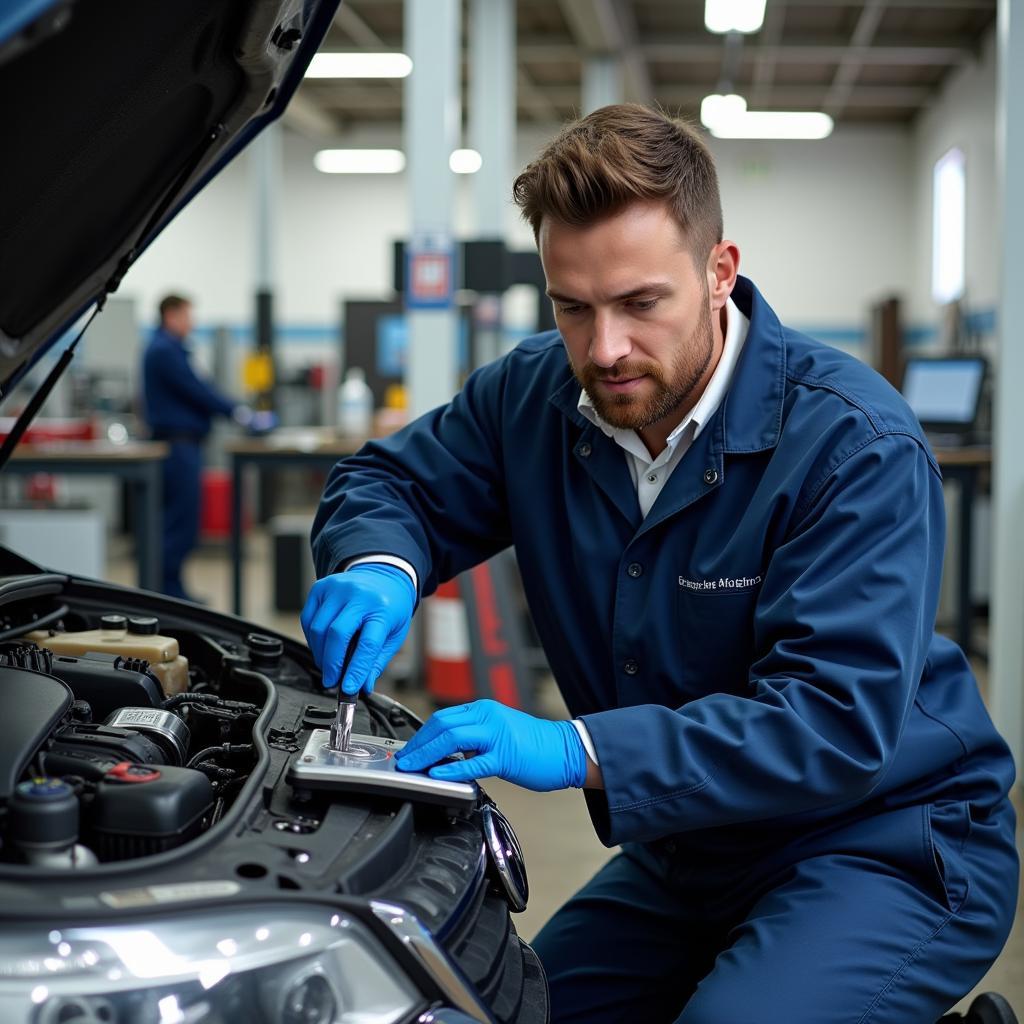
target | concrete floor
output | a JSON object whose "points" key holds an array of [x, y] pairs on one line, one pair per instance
{"points": [[554, 829]]}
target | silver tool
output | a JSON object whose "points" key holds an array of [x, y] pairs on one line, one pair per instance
{"points": [[341, 730]]}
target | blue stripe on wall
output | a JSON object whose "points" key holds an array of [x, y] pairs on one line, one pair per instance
{"points": [[982, 322]]}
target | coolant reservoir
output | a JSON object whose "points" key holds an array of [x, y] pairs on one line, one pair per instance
{"points": [[135, 637]]}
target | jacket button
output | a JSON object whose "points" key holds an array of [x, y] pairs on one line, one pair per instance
{"points": [[584, 450], [671, 847], [711, 476], [635, 569], [630, 667]]}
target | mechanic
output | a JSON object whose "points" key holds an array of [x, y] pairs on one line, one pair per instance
{"points": [[179, 407], [731, 539]]}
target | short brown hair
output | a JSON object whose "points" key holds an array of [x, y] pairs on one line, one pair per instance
{"points": [[617, 155], [169, 303]]}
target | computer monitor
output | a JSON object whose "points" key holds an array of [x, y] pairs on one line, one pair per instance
{"points": [[945, 391]]}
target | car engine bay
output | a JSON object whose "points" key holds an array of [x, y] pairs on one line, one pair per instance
{"points": [[124, 790]]}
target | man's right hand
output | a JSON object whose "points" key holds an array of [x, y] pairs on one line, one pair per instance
{"points": [[375, 598]]}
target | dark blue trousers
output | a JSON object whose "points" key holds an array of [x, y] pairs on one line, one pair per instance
{"points": [[886, 920], [181, 476]]}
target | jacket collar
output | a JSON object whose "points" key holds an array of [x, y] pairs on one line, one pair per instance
{"points": [[751, 412]]}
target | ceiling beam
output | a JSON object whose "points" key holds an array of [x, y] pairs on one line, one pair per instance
{"points": [[350, 23], [593, 24], [677, 48], [850, 67], [307, 117], [787, 97], [608, 28], [810, 53], [357, 30], [535, 100], [768, 38], [544, 104], [635, 71], [945, 5]]}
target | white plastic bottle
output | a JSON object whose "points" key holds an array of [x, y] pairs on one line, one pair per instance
{"points": [[355, 404]]}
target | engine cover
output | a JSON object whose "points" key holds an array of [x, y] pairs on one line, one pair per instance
{"points": [[33, 705], [139, 810]]}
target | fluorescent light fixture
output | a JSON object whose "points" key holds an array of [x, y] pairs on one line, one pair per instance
{"points": [[465, 161], [727, 117], [717, 109], [360, 161], [359, 65], [733, 15]]}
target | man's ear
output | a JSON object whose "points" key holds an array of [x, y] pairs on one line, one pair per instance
{"points": [[722, 267]]}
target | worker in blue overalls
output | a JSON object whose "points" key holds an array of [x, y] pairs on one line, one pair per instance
{"points": [[731, 539], [179, 408]]}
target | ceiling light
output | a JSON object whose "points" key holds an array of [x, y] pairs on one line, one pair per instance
{"points": [[359, 65], [733, 15], [465, 161], [727, 117], [359, 161]]}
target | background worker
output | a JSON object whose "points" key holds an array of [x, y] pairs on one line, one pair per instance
{"points": [[730, 538], [179, 407]]}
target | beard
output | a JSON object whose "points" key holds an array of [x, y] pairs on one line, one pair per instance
{"points": [[675, 386]]}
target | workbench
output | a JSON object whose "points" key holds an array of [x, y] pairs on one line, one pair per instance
{"points": [[965, 466], [314, 448], [138, 463]]}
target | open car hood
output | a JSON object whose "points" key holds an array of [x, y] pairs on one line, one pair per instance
{"points": [[115, 113]]}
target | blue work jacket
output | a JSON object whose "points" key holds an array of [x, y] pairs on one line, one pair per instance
{"points": [[757, 656], [178, 403]]}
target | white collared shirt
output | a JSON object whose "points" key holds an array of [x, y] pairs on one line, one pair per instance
{"points": [[649, 475]]}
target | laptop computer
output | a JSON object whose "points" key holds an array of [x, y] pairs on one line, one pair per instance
{"points": [[946, 393]]}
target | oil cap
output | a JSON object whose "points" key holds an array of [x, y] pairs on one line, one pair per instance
{"points": [[44, 814], [263, 649], [113, 621], [143, 625]]}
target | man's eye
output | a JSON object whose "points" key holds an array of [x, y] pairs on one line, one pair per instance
{"points": [[569, 310], [644, 304]]}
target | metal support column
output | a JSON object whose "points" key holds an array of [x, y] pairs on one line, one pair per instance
{"points": [[266, 191], [492, 133], [1006, 680], [602, 81], [492, 111], [266, 157], [433, 114]]}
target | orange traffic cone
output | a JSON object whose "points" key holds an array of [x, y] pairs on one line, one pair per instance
{"points": [[449, 673]]}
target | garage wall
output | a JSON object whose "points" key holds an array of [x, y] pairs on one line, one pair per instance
{"points": [[963, 115], [823, 228]]}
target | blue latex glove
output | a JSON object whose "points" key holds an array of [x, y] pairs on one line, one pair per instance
{"points": [[376, 598], [255, 421], [528, 751], [263, 422]]}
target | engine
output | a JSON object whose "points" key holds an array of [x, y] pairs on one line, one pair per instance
{"points": [[98, 763]]}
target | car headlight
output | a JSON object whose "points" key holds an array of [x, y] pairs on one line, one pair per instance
{"points": [[271, 965]]}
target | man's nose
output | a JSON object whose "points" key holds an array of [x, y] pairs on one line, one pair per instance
{"points": [[610, 341]]}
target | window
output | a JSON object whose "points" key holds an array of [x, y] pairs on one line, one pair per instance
{"points": [[948, 218]]}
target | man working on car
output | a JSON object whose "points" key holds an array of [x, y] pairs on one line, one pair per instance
{"points": [[731, 539], [179, 408]]}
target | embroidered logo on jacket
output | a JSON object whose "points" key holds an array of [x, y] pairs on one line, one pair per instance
{"points": [[725, 583]]}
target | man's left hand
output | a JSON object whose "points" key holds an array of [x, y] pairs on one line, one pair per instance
{"points": [[531, 752]]}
